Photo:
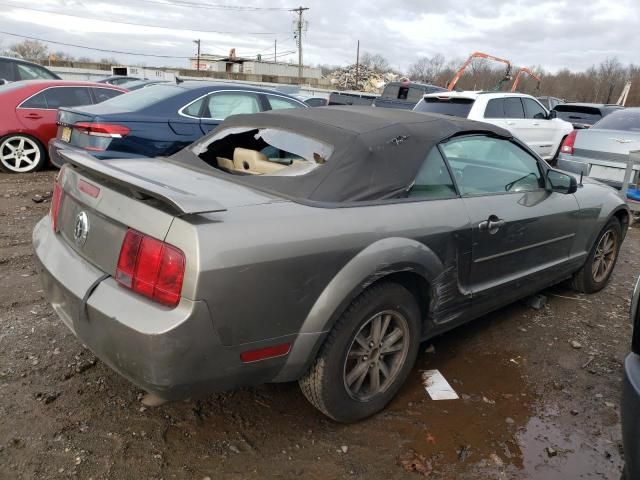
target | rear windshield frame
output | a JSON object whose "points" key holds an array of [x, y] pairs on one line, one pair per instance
{"points": [[463, 105]]}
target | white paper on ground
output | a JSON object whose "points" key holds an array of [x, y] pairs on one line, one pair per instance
{"points": [[437, 386]]}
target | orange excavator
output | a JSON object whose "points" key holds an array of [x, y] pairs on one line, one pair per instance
{"points": [[456, 77], [519, 76]]}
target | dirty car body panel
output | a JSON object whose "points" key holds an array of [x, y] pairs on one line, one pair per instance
{"points": [[274, 259]]}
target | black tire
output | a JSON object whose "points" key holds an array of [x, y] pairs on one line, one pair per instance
{"points": [[33, 156], [585, 280], [325, 384]]}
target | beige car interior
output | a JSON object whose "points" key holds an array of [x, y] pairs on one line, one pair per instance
{"points": [[251, 162]]}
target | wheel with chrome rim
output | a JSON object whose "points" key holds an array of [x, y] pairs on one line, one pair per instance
{"points": [[367, 355], [376, 355], [597, 270], [21, 154]]}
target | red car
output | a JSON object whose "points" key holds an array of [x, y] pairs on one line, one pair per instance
{"points": [[28, 111]]}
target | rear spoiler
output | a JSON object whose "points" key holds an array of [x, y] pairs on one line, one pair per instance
{"points": [[185, 203]]}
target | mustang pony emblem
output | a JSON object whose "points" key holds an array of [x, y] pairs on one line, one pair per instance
{"points": [[81, 229]]}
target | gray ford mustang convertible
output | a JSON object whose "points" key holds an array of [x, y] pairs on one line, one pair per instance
{"points": [[320, 245]]}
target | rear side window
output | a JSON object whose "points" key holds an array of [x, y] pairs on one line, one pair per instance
{"points": [[433, 179], [33, 72], [533, 109], [67, 97], [281, 103], [224, 104], [37, 101], [457, 107], [102, 94], [513, 108], [495, 108], [193, 109], [627, 120]]}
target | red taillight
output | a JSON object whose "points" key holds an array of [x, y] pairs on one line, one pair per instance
{"points": [[102, 129], [567, 145], [264, 353], [151, 268], [56, 198]]}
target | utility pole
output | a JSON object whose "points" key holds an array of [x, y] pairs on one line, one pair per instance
{"points": [[197, 42], [299, 26], [275, 50], [357, 64]]}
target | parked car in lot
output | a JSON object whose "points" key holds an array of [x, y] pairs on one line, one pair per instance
{"points": [[550, 102], [404, 95], [630, 411], [320, 245], [28, 113], [583, 115], [159, 120], [602, 151], [15, 69], [137, 84], [521, 114], [119, 79]]}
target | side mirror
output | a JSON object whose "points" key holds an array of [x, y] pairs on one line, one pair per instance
{"points": [[561, 182], [552, 114]]}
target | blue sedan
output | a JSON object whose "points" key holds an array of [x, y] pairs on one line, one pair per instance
{"points": [[158, 120]]}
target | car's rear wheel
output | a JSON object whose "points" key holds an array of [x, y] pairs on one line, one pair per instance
{"points": [[367, 355], [21, 154], [596, 271]]}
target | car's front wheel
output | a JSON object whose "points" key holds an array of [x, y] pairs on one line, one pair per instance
{"points": [[367, 355], [21, 154], [595, 273]]}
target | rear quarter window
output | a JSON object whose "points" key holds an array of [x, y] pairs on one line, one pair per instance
{"points": [[457, 107]]}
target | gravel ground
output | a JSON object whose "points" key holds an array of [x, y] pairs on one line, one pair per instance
{"points": [[533, 405]]}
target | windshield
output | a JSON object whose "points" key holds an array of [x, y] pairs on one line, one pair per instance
{"points": [[262, 151], [578, 114], [457, 107], [628, 120], [143, 98]]}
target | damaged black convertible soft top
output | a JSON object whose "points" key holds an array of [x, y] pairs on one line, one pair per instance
{"points": [[368, 154]]}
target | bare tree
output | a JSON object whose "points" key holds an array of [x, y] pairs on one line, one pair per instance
{"points": [[427, 69], [375, 62], [31, 49]]}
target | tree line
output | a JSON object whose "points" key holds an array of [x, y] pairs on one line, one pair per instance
{"points": [[601, 83]]}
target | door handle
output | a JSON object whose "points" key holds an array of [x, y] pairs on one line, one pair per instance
{"points": [[536, 123], [492, 224], [33, 116]]}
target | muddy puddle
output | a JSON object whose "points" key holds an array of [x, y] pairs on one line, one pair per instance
{"points": [[501, 426]]}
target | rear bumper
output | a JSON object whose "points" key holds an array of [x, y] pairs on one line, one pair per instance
{"points": [[174, 353], [630, 412]]}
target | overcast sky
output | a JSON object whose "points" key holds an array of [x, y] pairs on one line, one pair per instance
{"points": [[554, 33]]}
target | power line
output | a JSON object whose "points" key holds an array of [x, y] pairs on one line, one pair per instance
{"points": [[136, 24], [210, 6], [91, 48]]}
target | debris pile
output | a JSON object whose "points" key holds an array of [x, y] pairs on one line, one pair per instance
{"points": [[369, 80]]}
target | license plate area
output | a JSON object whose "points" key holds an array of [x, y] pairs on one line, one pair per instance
{"points": [[66, 134]]}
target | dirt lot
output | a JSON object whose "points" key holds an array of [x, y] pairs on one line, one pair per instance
{"points": [[532, 405]]}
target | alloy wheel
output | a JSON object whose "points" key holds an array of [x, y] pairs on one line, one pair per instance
{"points": [[19, 154], [605, 256], [376, 355]]}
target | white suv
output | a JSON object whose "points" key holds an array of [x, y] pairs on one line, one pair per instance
{"points": [[521, 114]]}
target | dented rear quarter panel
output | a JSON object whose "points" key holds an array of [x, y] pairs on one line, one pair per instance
{"points": [[275, 269]]}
